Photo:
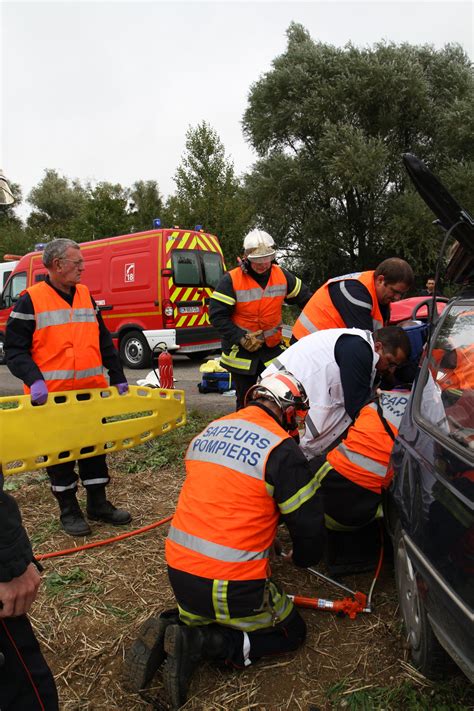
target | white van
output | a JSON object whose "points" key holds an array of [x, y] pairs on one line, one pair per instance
{"points": [[6, 269]]}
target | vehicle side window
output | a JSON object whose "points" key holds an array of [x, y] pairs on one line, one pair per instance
{"points": [[448, 392], [186, 268], [15, 286], [213, 268]]}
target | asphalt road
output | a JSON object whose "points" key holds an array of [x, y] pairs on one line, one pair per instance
{"points": [[187, 377]]}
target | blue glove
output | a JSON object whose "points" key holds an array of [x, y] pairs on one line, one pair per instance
{"points": [[122, 388], [39, 392]]}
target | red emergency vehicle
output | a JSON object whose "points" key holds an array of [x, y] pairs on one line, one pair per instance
{"points": [[152, 287]]}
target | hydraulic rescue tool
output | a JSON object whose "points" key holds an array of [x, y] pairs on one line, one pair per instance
{"points": [[76, 424]]}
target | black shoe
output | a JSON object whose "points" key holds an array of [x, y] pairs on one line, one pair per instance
{"points": [[109, 514], [72, 519], [147, 653], [184, 646], [74, 523]]}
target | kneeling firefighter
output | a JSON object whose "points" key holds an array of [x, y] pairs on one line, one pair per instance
{"points": [[244, 473], [353, 476]]}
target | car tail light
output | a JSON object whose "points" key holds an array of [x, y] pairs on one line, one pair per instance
{"points": [[168, 314]]}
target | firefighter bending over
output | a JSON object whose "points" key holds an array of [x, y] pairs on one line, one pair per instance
{"points": [[244, 473]]}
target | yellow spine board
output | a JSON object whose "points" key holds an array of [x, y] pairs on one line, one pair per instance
{"points": [[83, 423]]}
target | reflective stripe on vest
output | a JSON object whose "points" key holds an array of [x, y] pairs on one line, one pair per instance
{"points": [[320, 312], [225, 520], [257, 308], [65, 343]]}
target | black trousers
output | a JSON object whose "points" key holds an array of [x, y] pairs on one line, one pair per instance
{"points": [[26, 682], [244, 648], [93, 472]]}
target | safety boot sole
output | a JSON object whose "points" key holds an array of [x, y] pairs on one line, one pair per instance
{"points": [[146, 654]]}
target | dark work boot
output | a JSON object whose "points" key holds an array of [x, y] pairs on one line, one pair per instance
{"points": [[186, 647], [72, 518], [99, 509], [147, 653]]}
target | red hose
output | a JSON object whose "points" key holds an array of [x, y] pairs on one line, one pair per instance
{"points": [[104, 542]]}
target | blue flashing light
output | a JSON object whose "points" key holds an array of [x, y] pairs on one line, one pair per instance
{"points": [[198, 228], [39, 246], [157, 222]]}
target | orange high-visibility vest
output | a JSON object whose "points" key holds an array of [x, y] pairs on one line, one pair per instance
{"points": [[65, 344], [226, 519], [257, 308], [320, 313], [363, 456], [461, 376]]}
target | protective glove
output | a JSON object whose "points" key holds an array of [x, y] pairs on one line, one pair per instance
{"points": [[122, 388], [252, 341], [38, 392]]}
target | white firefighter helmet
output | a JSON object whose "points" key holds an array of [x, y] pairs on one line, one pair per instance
{"points": [[259, 244], [288, 394]]}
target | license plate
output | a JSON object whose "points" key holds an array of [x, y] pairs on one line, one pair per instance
{"points": [[188, 309]]}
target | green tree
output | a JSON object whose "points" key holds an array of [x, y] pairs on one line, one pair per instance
{"points": [[13, 238], [209, 193], [104, 213], [56, 203], [330, 126], [145, 205]]}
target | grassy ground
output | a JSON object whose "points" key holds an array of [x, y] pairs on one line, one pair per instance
{"points": [[92, 604]]}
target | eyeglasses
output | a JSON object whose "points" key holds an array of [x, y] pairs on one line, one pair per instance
{"points": [[77, 262]]}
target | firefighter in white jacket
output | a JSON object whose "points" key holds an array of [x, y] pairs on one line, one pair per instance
{"points": [[337, 367]]}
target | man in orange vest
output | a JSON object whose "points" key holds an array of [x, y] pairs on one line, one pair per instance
{"points": [[246, 309], [56, 340], [244, 473], [359, 300], [352, 477]]}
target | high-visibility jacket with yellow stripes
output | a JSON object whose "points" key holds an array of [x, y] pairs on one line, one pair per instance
{"points": [[363, 456], [320, 312], [65, 344], [226, 518]]}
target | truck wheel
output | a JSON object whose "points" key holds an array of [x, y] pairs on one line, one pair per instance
{"points": [[134, 350], [426, 652], [2, 349]]}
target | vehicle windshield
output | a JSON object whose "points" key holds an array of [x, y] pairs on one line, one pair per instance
{"points": [[448, 395]]}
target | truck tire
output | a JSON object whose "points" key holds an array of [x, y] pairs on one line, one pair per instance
{"points": [[2, 349], [135, 351]]}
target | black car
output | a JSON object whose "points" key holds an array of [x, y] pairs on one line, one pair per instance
{"points": [[430, 506]]}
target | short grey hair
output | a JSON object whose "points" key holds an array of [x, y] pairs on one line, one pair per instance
{"points": [[57, 249]]}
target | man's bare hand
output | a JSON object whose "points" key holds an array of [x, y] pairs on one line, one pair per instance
{"points": [[18, 595]]}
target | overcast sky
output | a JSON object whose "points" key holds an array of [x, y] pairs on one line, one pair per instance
{"points": [[107, 90]]}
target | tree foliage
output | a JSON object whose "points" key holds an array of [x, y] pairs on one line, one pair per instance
{"points": [[330, 126], [208, 193]]}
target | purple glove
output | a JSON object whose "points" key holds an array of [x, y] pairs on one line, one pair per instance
{"points": [[122, 388], [39, 392]]}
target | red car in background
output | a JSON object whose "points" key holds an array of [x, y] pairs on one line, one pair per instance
{"points": [[415, 308]]}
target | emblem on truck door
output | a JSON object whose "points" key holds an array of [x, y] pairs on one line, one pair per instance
{"points": [[130, 272]]}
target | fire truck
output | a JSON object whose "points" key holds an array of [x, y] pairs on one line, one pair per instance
{"points": [[152, 288]]}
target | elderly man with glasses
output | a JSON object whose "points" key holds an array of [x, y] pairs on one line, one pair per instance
{"points": [[56, 340]]}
